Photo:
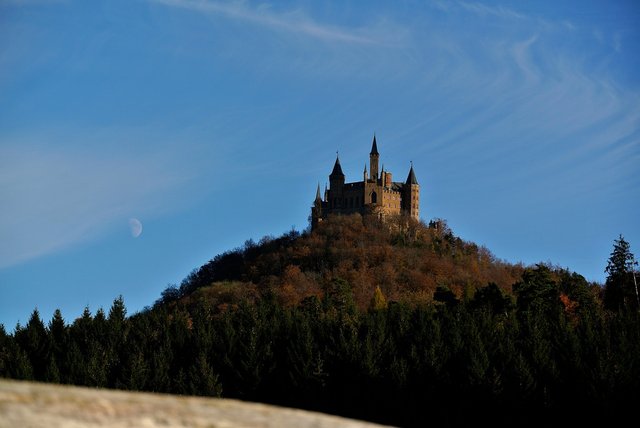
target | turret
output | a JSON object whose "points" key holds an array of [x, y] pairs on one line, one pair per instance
{"points": [[316, 209], [318, 200], [387, 180], [336, 178], [374, 157], [336, 185], [411, 178], [412, 195]]}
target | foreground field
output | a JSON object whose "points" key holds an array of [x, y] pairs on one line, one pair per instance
{"points": [[29, 404]]}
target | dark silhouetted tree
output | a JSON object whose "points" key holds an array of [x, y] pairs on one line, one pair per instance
{"points": [[34, 341], [620, 289], [537, 292], [492, 299], [445, 295]]}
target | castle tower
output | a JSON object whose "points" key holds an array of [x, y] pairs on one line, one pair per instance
{"points": [[316, 210], [336, 185], [412, 195], [387, 180], [374, 157]]}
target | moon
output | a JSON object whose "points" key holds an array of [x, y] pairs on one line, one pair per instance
{"points": [[135, 226]]}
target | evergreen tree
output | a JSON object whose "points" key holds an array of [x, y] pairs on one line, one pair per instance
{"points": [[620, 288], [492, 299], [17, 363], [114, 342], [537, 292], [34, 341], [5, 341], [59, 338], [14, 362]]}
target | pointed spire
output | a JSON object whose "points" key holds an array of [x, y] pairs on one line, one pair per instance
{"points": [[365, 168], [374, 146], [318, 197], [337, 169], [411, 178]]}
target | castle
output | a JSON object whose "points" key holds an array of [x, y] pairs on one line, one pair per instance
{"points": [[376, 194]]}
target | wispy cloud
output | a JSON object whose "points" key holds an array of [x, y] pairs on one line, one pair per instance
{"points": [[496, 11], [477, 8], [293, 21], [522, 56], [529, 89]]}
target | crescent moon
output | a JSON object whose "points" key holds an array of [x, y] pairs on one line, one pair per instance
{"points": [[135, 226]]}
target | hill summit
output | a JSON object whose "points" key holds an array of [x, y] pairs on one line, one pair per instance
{"points": [[407, 260]]}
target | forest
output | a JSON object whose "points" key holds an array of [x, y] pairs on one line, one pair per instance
{"points": [[393, 321]]}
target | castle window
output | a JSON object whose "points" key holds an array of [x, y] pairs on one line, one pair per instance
{"points": [[374, 198]]}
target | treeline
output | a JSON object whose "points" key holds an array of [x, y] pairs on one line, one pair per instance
{"points": [[545, 351], [491, 359]]}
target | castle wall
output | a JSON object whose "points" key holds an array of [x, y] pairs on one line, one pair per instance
{"points": [[353, 197], [391, 201]]}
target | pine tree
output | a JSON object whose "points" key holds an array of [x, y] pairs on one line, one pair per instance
{"points": [[34, 341], [620, 289], [59, 338], [538, 292]]}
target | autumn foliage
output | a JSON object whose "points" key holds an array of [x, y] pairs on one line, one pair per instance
{"points": [[406, 259]]}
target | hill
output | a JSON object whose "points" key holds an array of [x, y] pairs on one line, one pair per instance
{"points": [[406, 259], [395, 322]]}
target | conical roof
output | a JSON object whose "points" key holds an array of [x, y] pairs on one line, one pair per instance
{"points": [[318, 197], [411, 178], [337, 169], [374, 146]]}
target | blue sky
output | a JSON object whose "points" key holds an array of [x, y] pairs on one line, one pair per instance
{"points": [[212, 122]]}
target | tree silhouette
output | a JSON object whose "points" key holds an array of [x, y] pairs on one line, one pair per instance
{"points": [[620, 288]]}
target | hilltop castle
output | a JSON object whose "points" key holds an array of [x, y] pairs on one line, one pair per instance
{"points": [[376, 194]]}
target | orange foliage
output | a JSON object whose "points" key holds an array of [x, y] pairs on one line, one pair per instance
{"points": [[407, 259], [570, 306]]}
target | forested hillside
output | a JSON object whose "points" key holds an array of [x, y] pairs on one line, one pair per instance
{"points": [[399, 323], [406, 259]]}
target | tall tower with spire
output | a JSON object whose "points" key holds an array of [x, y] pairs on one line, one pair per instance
{"points": [[412, 194], [374, 158], [377, 193]]}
